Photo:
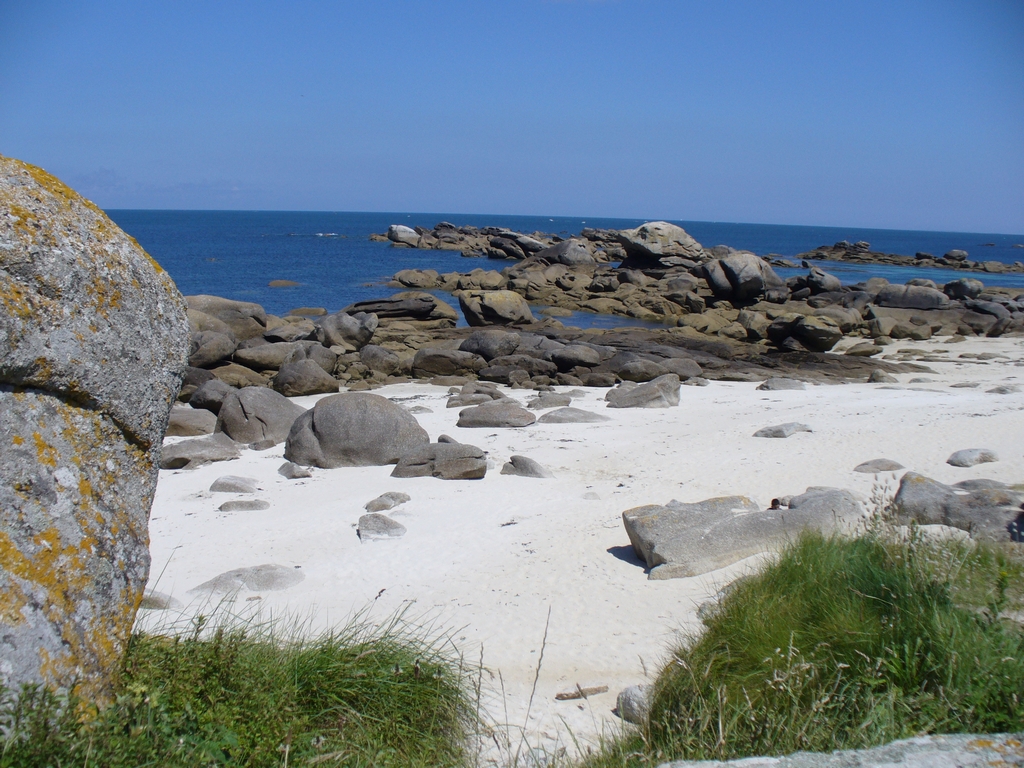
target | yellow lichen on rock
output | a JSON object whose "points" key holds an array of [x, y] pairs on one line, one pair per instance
{"points": [[97, 343]]}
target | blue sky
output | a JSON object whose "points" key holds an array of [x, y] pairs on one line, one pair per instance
{"points": [[898, 114]]}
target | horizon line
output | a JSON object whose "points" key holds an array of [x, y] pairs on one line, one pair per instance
{"points": [[582, 219]]}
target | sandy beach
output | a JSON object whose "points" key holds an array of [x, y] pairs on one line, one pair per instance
{"points": [[488, 560]]}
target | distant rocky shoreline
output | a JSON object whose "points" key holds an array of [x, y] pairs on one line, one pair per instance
{"points": [[609, 245]]}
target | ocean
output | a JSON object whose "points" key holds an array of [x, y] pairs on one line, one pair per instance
{"points": [[235, 254]]}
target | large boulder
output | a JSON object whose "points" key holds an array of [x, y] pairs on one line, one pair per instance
{"points": [[210, 395], [495, 308], [490, 344], [820, 281], [570, 415], [318, 353], [658, 244], [266, 356], [347, 331], [572, 253], [399, 233], [430, 362], [681, 540], [963, 288], [209, 348], [304, 377], [987, 513], [443, 460], [189, 422], [353, 429], [573, 355], [245, 319], [662, 392], [741, 277], [95, 344], [257, 414], [817, 333], [189, 454], [911, 297], [379, 359], [496, 414]]}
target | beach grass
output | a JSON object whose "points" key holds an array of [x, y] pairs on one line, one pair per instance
{"points": [[240, 694], [844, 643]]}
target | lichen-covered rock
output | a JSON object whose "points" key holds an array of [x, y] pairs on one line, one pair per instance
{"points": [[95, 341]]}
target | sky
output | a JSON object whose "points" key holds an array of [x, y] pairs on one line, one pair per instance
{"points": [[895, 114]]}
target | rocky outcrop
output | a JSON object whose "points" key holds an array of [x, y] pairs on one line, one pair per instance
{"points": [[95, 341], [659, 244]]}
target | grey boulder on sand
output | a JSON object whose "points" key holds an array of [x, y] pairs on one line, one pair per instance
{"points": [[991, 513], [878, 465], [189, 454], [662, 392], [292, 471], [95, 345], [634, 703], [524, 466], [571, 416], [258, 578], [377, 526], [497, 413], [549, 400], [680, 540], [255, 414], [244, 505], [234, 484], [970, 457], [777, 383], [353, 429], [445, 461], [387, 501], [782, 430]]}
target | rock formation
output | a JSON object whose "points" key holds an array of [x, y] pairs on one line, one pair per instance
{"points": [[95, 343]]}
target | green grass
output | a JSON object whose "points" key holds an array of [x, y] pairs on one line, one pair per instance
{"points": [[842, 644], [240, 696]]}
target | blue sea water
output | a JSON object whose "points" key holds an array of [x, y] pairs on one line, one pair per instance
{"points": [[236, 254]]}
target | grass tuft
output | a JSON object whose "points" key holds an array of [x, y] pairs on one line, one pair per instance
{"points": [[242, 696], [842, 644]]}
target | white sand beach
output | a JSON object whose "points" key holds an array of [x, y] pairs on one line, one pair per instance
{"points": [[489, 559]]}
